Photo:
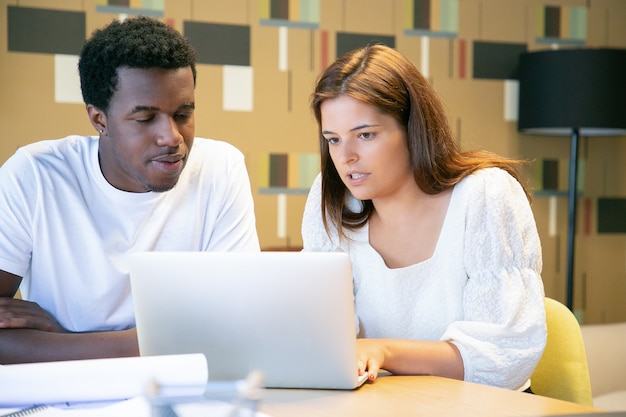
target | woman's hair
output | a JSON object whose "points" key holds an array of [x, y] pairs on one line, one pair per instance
{"points": [[382, 77], [138, 42]]}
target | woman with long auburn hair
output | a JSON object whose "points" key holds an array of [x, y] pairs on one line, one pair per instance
{"points": [[445, 253]]}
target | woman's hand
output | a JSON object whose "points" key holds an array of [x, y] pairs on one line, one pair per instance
{"points": [[371, 357]]}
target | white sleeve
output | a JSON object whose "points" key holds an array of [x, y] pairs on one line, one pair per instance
{"points": [[503, 333], [235, 226], [18, 193]]}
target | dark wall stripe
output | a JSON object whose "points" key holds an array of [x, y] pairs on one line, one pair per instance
{"points": [[495, 60], [278, 170], [550, 177], [421, 14], [552, 22], [612, 215], [219, 44], [45, 31], [347, 42], [279, 9]]}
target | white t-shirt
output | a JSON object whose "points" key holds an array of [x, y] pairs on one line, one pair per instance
{"points": [[481, 289], [68, 232]]}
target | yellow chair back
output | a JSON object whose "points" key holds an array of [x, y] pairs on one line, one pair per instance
{"points": [[562, 372]]}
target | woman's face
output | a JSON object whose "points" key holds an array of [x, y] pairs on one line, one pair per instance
{"points": [[368, 148]]}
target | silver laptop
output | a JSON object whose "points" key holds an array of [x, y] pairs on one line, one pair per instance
{"points": [[287, 314]]}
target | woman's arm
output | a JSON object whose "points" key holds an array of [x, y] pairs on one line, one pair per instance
{"points": [[503, 332], [410, 357]]}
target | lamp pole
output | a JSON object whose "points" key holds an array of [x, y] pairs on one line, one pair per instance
{"points": [[572, 200]]}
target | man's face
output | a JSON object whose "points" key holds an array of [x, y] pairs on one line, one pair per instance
{"points": [[148, 128]]}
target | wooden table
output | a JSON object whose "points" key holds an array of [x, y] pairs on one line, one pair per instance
{"points": [[406, 396]]}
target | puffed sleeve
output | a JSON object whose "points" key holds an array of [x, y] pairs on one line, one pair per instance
{"points": [[503, 334]]}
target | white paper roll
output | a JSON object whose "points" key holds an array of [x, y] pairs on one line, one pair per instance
{"points": [[99, 379]]}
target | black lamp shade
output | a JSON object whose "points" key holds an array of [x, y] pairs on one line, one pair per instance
{"points": [[562, 90]]}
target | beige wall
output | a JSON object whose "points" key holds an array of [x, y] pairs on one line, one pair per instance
{"points": [[281, 121]]}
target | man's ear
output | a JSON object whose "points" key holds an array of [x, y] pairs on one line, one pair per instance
{"points": [[98, 119]]}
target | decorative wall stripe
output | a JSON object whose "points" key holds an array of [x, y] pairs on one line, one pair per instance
{"points": [[312, 50], [421, 14], [407, 15], [561, 25], [462, 58], [450, 58], [434, 18], [310, 11], [511, 100], [66, 79], [347, 42], [303, 14], [323, 50], [496, 60], [552, 216], [263, 171], [219, 44], [134, 7], [580, 176], [552, 22], [45, 31], [550, 175], [449, 16], [288, 172], [611, 215], [237, 88], [308, 168], [283, 48], [281, 216], [278, 170], [587, 216], [578, 23], [425, 56], [279, 9]]}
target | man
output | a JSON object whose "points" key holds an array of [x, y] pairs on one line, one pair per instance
{"points": [[72, 210]]}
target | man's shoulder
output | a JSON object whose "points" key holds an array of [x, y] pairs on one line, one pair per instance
{"points": [[73, 144], [215, 151], [207, 144]]}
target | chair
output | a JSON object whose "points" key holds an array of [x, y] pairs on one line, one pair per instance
{"points": [[562, 371]]}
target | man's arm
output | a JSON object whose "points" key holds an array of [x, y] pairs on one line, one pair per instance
{"points": [[29, 334], [30, 345]]}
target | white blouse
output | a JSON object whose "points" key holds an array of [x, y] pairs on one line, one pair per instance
{"points": [[481, 289]]}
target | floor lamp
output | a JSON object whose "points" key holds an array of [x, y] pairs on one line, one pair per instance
{"points": [[572, 92]]}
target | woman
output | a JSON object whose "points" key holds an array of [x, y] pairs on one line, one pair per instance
{"points": [[445, 252]]}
